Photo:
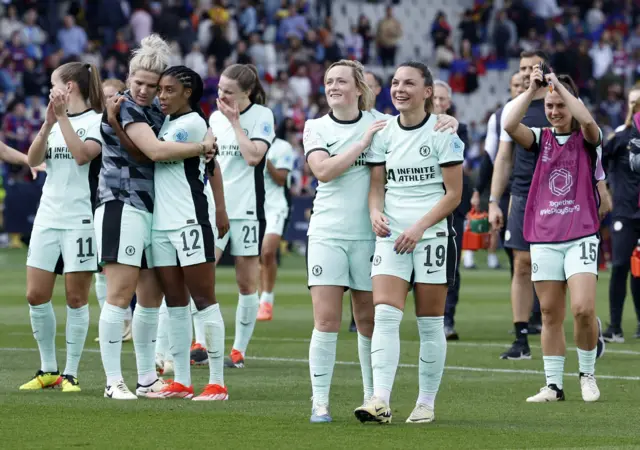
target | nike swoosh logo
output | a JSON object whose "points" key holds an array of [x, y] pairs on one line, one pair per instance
{"points": [[379, 409], [429, 271], [245, 323], [71, 343], [248, 246], [189, 255], [153, 341], [379, 350], [386, 152], [110, 394], [82, 261], [214, 354], [587, 262], [427, 362], [319, 374], [332, 144], [113, 342]]}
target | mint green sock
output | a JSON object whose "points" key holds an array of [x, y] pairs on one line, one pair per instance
{"points": [[180, 334], [198, 325], [246, 314], [145, 333], [554, 369], [322, 359], [385, 350], [213, 328], [587, 361], [76, 335], [162, 341], [433, 353], [43, 325], [101, 288], [364, 354], [110, 333]]}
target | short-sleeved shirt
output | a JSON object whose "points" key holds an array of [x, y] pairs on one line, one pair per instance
{"points": [[282, 156], [180, 198], [340, 207], [623, 180], [596, 150], [121, 176], [244, 190], [69, 192], [524, 162], [413, 158]]}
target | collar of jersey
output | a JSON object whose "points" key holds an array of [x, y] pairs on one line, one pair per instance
{"points": [[177, 116], [79, 114], [246, 109], [415, 127], [345, 122]]}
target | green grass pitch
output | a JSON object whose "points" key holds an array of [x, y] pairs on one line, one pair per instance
{"points": [[481, 403]]}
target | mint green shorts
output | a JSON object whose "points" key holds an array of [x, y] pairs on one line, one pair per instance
{"points": [[558, 262]]}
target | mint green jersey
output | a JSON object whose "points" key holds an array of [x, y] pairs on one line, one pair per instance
{"points": [[340, 208], [413, 158], [180, 198], [282, 156], [69, 191], [244, 191]]}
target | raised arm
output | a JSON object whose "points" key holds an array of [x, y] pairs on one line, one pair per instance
{"points": [[590, 130], [38, 149], [325, 167], [252, 151], [145, 139], [520, 133], [83, 152], [12, 156]]}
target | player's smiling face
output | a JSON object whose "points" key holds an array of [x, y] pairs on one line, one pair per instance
{"points": [[557, 112], [408, 91], [174, 98], [340, 87], [56, 83], [143, 86], [229, 91]]}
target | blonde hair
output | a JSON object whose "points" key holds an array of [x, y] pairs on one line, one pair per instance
{"points": [[152, 56], [114, 83], [366, 101], [636, 108]]}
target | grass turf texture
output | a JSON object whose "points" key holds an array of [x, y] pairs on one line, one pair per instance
{"points": [[481, 403]]}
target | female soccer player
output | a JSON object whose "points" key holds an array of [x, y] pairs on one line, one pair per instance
{"points": [[336, 147], [280, 160], [124, 217], [414, 191], [625, 229], [562, 223], [12, 156], [63, 239], [183, 245], [245, 130]]}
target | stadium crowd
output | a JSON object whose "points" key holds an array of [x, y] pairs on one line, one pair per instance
{"points": [[293, 45]]}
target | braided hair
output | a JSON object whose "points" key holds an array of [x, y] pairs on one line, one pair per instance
{"points": [[190, 80]]}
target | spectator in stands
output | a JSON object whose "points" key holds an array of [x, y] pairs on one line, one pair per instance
{"points": [[602, 56], [18, 52], [72, 38], [34, 81], [595, 17], [354, 44], [195, 60], [504, 35], [440, 29], [32, 34], [240, 56], [247, 19], [584, 69], [469, 28], [575, 27], [387, 38], [10, 24], [300, 86], [634, 40], [364, 28], [294, 24], [141, 23], [445, 55]]}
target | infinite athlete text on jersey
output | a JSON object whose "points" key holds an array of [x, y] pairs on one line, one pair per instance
{"points": [[59, 153], [412, 174]]}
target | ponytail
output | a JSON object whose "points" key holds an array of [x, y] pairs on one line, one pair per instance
{"points": [[246, 75], [96, 94], [87, 78]]}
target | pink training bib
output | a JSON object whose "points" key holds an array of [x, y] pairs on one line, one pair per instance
{"points": [[562, 204]]}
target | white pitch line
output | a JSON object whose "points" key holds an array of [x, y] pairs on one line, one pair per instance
{"points": [[354, 363]]}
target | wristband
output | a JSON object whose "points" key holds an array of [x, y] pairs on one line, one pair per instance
{"points": [[492, 199]]}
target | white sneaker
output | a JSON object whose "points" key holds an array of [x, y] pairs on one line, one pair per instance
{"points": [[590, 391], [156, 386], [168, 368], [422, 414], [119, 391], [374, 410], [547, 394], [127, 335]]}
